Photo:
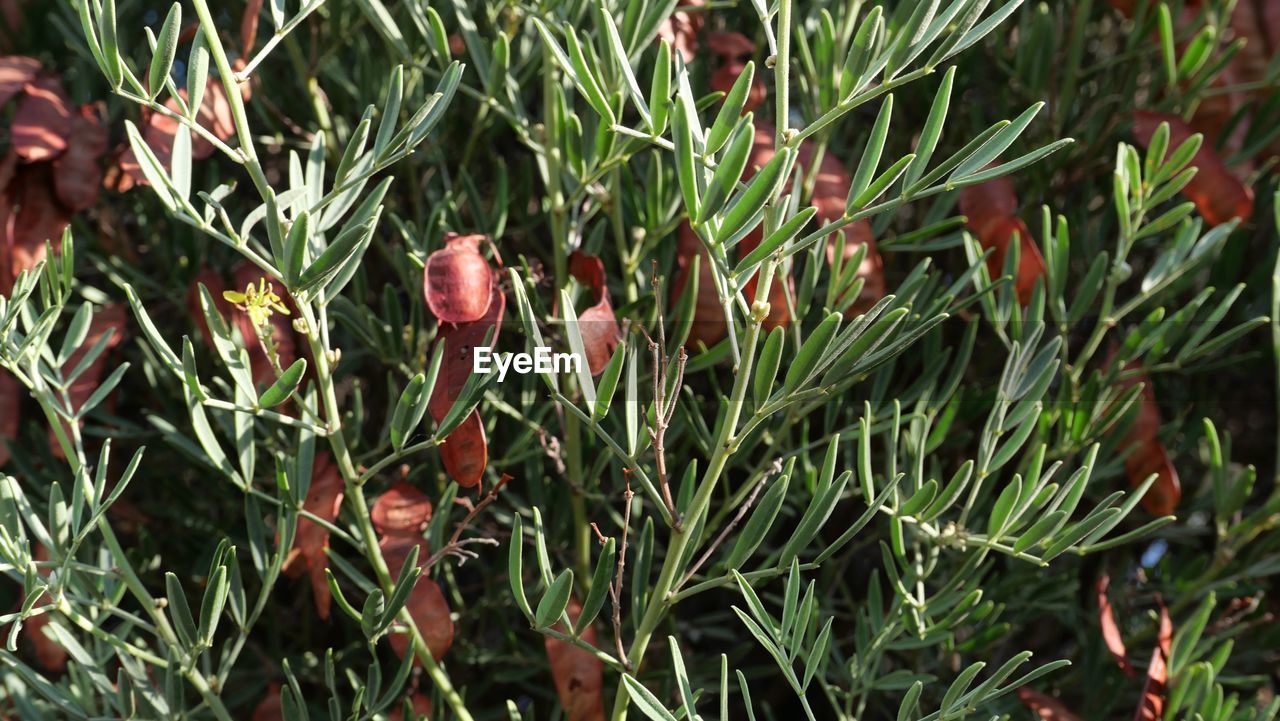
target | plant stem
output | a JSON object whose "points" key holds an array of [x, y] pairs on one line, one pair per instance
{"points": [[726, 443], [354, 490]]}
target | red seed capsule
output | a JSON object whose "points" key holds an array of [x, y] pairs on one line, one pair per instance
{"points": [[42, 122], [430, 612], [15, 72], [324, 500], [403, 509], [1218, 194], [77, 176], [1046, 708], [1110, 629], [578, 674], [597, 324], [1151, 706], [457, 283]]}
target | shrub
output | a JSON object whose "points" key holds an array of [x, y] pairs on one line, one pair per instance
{"points": [[875, 347]]}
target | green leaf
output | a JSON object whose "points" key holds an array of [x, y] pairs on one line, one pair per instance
{"points": [[166, 49], [609, 383], [410, 408], [600, 581], [762, 188], [776, 240], [283, 388], [727, 173], [730, 110], [555, 600], [515, 566], [346, 248], [920, 499], [811, 352], [179, 611], [766, 370], [871, 153], [644, 700]]}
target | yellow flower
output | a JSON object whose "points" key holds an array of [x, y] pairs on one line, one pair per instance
{"points": [[258, 302]]}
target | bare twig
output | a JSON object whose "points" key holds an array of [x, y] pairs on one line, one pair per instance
{"points": [[664, 407], [615, 588], [456, 546]]}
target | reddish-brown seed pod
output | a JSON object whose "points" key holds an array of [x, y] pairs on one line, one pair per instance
{"points": [[730, 45], [42, 122], [1151, 705], [111, 319], [578, 674], [11, 394], [430, 612], [401, 510], [77, 175], [465, 452], [1218, 194], [324, 500], [985, 205], [1111, 635], [395, 550], [460, 344], [597, 324], [708, 327], [991, 212], [458, 282], [1046, 708], [681, 29], [40, 217], [249, 27], [1147, 455], [15, 72], [271, 707], [1165, 493], [1030, 262], [419, 702]]}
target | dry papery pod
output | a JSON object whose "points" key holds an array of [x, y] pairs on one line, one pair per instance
{"points": [[991, 210], [111, 319], [735, 49], [465, 451], [1146, 454], [1218, 194], [419, 703], [1046, 708], [11, 395], [578, 674], [51, 170], [324, 500], [597, 324], [48, 653], [401, 510], [1111, 635], [1151, 704], [681, 28], [431, 614], [458, 281]]}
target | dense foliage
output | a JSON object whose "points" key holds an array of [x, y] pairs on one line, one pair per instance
{"points": [[928, 359]]}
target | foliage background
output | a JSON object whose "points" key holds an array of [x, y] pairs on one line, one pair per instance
{"points": [[481, 171]]}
